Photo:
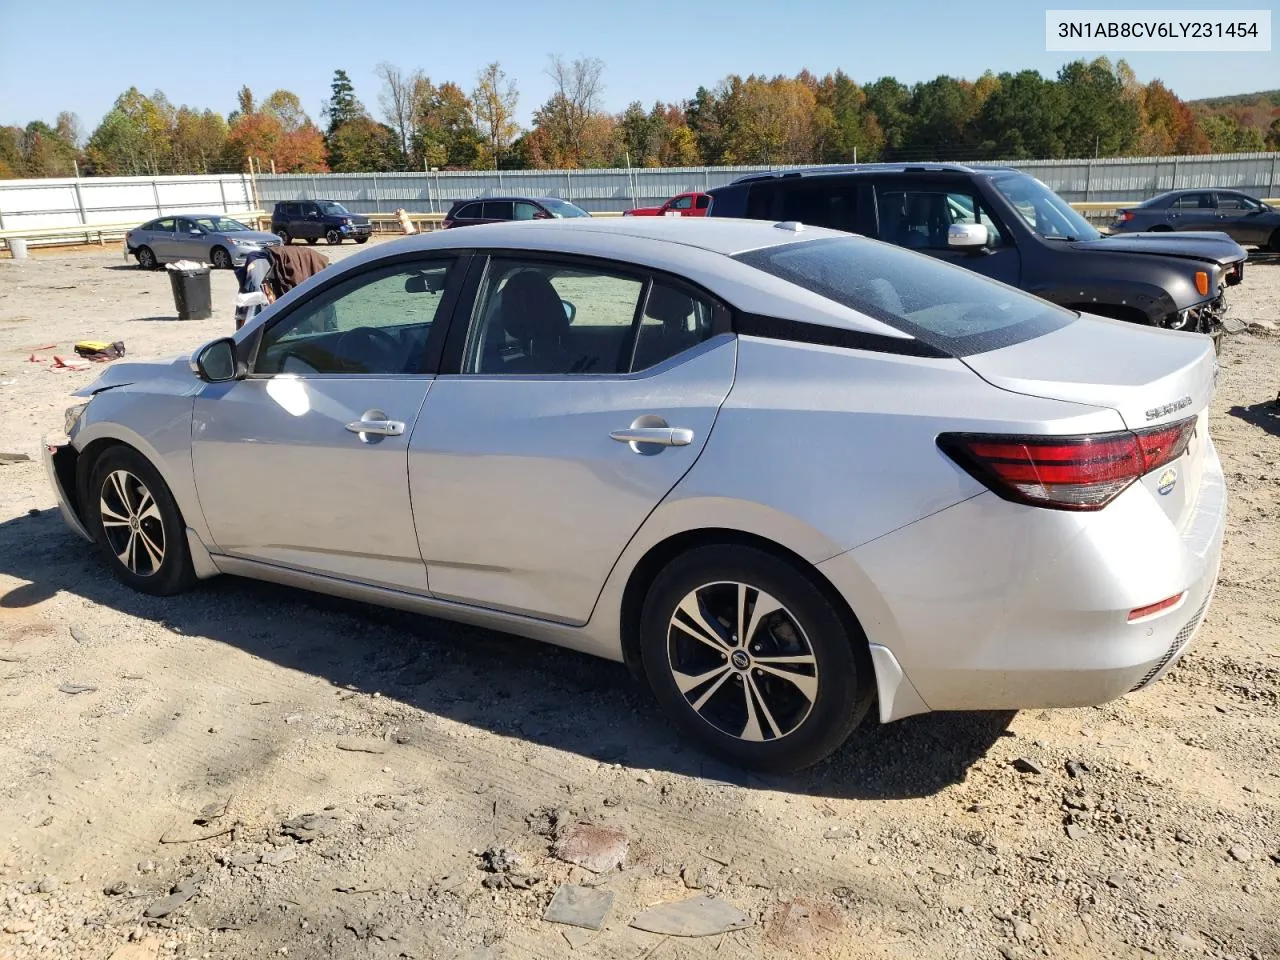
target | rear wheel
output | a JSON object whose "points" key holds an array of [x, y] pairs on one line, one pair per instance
{"points": [[137, 524], [1274, 243], [220, 258], [1161, 228], [146, 258], [332, 237], [311, 241], [283, 234], [750, 659]]}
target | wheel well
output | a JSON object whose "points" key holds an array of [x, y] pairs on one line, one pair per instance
{"points": [[1114, 311], [84, 468], [659, 555]]}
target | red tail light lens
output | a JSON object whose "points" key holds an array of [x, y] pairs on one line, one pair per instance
{"points": [[1126, 216], [1066, 473]]}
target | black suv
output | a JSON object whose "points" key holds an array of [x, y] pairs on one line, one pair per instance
{"points": [[501, 209], [311, 220], [1008, 226]]}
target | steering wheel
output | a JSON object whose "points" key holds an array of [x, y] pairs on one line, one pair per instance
{"points": [[370, 350]]}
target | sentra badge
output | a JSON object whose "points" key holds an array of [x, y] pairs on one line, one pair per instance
{"points": [[1168, 408]]}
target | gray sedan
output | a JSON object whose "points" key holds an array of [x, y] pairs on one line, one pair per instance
{"points": [[781, 472], [1240, 216], [211, 238]]}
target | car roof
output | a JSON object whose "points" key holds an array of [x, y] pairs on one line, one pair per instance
{"points": [[513, 196], [873, 168]]}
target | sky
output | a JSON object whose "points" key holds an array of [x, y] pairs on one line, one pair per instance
{"points": [[79, 56]]}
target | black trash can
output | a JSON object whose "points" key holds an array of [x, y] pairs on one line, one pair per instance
{"points": [[191, 294]]}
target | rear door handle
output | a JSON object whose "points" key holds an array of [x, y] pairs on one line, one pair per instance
{"points": [[662, 436]]}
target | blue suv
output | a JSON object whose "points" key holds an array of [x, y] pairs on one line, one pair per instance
{"points": [[311, 220]]}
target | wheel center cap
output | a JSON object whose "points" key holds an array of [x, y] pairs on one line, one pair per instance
{"points": [[133, 522], [740, 660]]}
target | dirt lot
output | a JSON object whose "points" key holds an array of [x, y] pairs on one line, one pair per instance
{"points": [[213, 722]]}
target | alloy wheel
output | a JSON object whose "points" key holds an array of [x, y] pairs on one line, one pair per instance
{"points": [[132, 523], [742, 661]]}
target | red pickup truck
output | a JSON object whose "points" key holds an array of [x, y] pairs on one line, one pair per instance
{"points": [[682, 205]]}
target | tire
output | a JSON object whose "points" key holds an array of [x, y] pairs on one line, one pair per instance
{"points": [[283, 234], [146, 258], [780, 726], [332, 237], [362, 239], [1273, 244], [220, 258], [131, 515], [1161, 228], [311, 241]]}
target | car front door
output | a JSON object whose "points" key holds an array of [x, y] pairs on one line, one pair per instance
{"points": [[304, 464], [918, 215], [309, 224], [680, 206], [1241, 217], [575, 399]]}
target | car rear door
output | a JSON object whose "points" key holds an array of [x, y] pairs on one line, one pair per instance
{"points": [[539, 452], [304, 464], [1241, 217], [1194, 211], [160, 239]]}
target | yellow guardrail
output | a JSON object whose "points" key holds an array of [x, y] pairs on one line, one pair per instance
{"points": [[100, 233]]}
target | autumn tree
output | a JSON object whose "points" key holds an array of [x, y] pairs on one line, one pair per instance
{"points": [[846, 130], [277, 135], [494, 101], [199, 141], [573, 112], [399, 99], [11, 165], [1167, 124], [135, 137]]}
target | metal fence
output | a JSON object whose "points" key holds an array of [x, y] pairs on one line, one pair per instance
{"points": [[43, 204]]}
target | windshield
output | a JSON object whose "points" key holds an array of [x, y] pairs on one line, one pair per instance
{"points": [[562, 208], [331, 209], [220, 224], [1044, 211], [947, 307]]}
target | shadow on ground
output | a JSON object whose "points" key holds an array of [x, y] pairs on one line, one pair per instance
{"points": [[1265, 415], [492, 681]]}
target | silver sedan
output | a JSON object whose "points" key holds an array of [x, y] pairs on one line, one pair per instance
{"points": [[209, 238], [783, 473]]}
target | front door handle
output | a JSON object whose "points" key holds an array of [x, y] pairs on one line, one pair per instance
{"points": [[374, 423], [662, 436], [381, 428]]}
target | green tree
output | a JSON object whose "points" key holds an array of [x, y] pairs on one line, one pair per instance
{"points": [[846, 128], [1099, 119], [943, 111], [11, 165], [46, 152], [135, 137], [342, 106], [890, 103], [1022, 118], [199, 141], [1225, 135], [362, 145], [704, 120]]}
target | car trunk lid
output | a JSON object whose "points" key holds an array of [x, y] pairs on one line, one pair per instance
{"points": [[1150, 377]]}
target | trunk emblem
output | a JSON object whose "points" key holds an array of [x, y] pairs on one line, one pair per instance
{"points": [[1156, 412], [1168, 480]]}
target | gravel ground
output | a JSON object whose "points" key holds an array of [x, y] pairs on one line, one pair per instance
{"points": [[254, 771]]}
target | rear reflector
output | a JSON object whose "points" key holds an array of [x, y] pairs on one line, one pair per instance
{"points": [[1066, 473], [1165, 604]]}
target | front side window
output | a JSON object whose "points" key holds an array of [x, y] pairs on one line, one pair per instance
{"points": [[221, 224], [185, 225], [1043, 210], [1237, 203], [376, 323], [681, 203], [945, 306], [526, 210], [562, 208], [919, 218]]}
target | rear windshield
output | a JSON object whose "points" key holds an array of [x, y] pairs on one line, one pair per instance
{"points": [[947, 307]]}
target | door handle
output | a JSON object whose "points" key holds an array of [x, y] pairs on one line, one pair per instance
{"points": [[374, 423], [662, 436]]}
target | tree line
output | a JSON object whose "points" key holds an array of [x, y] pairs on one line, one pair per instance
{"points": [[1089, 109]]}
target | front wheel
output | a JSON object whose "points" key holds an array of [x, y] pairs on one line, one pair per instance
{"points": [[751, 660], [332, 237], [311, 241], [283, 234], [137, 524], [220, 259], [1274, 243], [362, 239]]}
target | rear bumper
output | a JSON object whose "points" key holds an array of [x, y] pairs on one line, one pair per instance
{"points": [[993, 606], [59, 467]]}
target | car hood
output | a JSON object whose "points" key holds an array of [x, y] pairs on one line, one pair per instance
{"points": [[252, 236], [359, 218], [125, 372], [1204, 246]]}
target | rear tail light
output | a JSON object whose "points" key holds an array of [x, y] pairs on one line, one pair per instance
{"points": [[1125, 216], [1066, 473]]}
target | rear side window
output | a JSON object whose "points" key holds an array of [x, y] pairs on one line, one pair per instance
{"points": [[469, 212], [947, 307], [498, 210], [818, 201], [1194, 201]]}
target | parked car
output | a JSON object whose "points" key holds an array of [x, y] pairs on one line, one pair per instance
{"points": [[780, 471], [1238, 215], [683, 205], [313, 220], [465, 213], [1010, 227], [209, 237]]}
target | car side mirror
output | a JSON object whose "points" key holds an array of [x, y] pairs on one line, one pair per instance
{"points": [[967, 236], [570, 310], [218, 362]]}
